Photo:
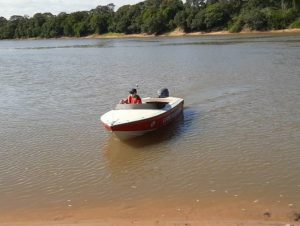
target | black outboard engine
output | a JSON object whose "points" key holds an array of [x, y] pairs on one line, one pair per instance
{"points": [[162, 93]]}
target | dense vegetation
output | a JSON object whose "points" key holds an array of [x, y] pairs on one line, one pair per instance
{"points": [[158, 16]]}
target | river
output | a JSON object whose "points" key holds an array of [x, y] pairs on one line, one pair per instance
{"points": [[234, 151]]}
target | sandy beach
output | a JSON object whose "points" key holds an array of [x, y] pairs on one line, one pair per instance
{"points": [[157, 213], [179, 33], [174, 34], [150, 223]]}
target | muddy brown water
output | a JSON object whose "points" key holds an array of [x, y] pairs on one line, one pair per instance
{"points": [[237, 144]]}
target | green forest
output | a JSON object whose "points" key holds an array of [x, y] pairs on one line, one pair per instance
{"points": [[158, 17]]}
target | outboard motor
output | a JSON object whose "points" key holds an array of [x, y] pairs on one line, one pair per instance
{"points": [[162, 93]]}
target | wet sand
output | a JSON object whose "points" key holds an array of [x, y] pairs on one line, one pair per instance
{"points": [[157, 213], [148, 223]]}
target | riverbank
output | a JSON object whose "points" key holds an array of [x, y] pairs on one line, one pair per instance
{"points": [[179, 33], [150, 223], [176, 33], [157, 213]]}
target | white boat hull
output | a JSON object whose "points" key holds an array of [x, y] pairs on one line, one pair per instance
{"points": [[140, 119]]}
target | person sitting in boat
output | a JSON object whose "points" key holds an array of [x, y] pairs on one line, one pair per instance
{"points": [[133, 98]]}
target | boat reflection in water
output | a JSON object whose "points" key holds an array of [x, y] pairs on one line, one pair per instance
{"points": [[123, 153], [145, 169]]}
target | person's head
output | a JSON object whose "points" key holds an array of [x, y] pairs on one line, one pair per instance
{"points": [[133, 91]]}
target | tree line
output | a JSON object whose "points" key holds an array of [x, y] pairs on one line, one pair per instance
{"points": [[157, 17]]}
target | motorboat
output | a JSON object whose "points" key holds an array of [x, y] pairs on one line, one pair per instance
{"points": [[127, 121]]}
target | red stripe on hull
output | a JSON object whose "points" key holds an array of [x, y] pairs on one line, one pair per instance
{"points": [[150, 123]]}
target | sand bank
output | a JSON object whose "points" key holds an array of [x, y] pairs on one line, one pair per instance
{"points": [[179, 33], [176, 33], [114, 222], [149, 213]]}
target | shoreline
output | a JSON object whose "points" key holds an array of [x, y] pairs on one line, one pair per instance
{"points": [[156, 213], [173, 34], [178, 33], [123, 222]]}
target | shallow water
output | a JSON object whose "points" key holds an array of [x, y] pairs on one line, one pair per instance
{"points": [[238, 140]]}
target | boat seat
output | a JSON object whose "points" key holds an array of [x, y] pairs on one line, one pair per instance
{"points": [[159, 104], [147, 105]]}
